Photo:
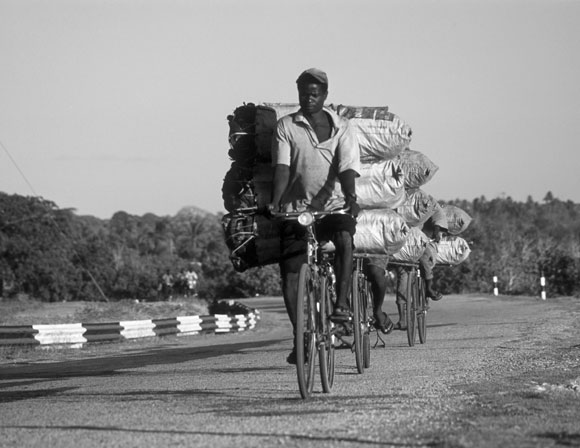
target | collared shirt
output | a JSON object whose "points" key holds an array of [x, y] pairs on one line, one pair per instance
{"points": [[314, 166]]}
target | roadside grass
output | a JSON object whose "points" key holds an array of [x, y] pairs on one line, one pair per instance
{"points": [[26, 311]]}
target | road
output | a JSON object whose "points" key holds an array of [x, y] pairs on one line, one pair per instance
{"points": [[494, 372]]}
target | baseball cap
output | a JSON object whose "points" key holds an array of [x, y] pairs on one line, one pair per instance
{"points": [[313, 73]]}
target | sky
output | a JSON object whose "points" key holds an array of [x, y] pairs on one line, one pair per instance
{"points": [[122, 105]]}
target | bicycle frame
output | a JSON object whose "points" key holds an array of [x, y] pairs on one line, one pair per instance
{"points": [[314, 331]]}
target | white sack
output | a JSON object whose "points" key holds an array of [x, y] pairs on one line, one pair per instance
{"points": [[452, 250], [417, 208], [380, 185], [413, 248], [380, 139], [457, 219], [372, 112], [267, 116], [418, 168], [380, 232]]}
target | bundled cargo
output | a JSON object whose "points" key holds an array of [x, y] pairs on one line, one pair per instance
{"points": [[452, 250], [413, 248], [418, 168], [267, 116], [393, 205], [417, 208], [253, 240], [252, 127], [238, 188], [380, 232], [262, 176], [241, 135], [381, 185], [457, 219], [382, 138], [368, 112]]}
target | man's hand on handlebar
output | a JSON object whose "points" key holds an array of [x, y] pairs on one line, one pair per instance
{"points": [[271, 209], [352, 206]]}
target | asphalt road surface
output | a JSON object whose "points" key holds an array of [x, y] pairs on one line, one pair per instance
{"points": [[494, 372]]}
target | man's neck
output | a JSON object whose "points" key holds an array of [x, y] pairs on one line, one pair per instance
{"points": [[321, 124]]}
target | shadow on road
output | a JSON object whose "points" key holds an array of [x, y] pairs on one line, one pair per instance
{"points": [[108, 365]]}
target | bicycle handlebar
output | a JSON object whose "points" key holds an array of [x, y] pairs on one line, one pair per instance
{"points": [[317, 214]]}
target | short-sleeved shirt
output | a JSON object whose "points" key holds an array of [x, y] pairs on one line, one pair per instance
{"points": [[314, 166]]}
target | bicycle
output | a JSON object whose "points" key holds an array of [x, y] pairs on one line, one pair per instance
{"points": [[416, 302], [315, 332]]}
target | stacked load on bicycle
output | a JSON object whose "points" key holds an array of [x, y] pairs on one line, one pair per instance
{"points": [[389, 190]]}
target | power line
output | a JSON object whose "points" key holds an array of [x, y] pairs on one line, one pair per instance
{"points": [[53, 221]]}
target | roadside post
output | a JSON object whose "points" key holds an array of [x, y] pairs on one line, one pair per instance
{"points": [[543, 284]]}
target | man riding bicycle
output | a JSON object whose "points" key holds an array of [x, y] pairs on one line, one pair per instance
{"points": [[316, 160]]}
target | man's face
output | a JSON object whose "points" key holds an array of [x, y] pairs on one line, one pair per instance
{"points": [[311, 97]]}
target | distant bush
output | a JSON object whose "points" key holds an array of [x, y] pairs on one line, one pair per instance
{"points": [[52, 254]]}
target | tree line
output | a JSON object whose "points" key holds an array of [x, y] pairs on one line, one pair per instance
{"points": [[53, 254]]}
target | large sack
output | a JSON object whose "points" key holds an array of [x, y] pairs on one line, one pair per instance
{"points": [[457, 219], [452, 250], [251, 129], [237, 187], [418, 168], [253, 240], [369, 112], [267, 116], [263, 174], [241, 135], [417, 208], [380, 185], [380, 139], [413, 248], [379, 232]]}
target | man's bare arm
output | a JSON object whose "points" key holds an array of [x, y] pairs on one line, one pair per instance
{"points": [[347, 183], [281, 179]]}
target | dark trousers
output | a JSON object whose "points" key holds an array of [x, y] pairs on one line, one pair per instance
{"points": [[336, 228]]}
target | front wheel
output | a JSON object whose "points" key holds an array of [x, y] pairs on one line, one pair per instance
{"points": [[366, 304], [357, 324], [422, 308], [305, 338], [326, 342], [410, 313]]}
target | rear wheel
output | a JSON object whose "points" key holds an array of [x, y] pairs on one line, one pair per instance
{"points": [[410, 313], [305, 339], [326, 342], [357, 324], [421, 310]]}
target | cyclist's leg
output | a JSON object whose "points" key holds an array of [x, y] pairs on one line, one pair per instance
{"points": [[343, 266], [340, 230], [293, 255], [426, 264], [378, 282]]}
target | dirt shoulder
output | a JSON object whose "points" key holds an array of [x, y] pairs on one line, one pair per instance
{"points": [[529, 390]]}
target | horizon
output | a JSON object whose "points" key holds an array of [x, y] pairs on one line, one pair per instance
{"points": [[202, 210]]}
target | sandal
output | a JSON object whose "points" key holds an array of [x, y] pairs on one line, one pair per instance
{"points": [[340, 314], [384, 324]]}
